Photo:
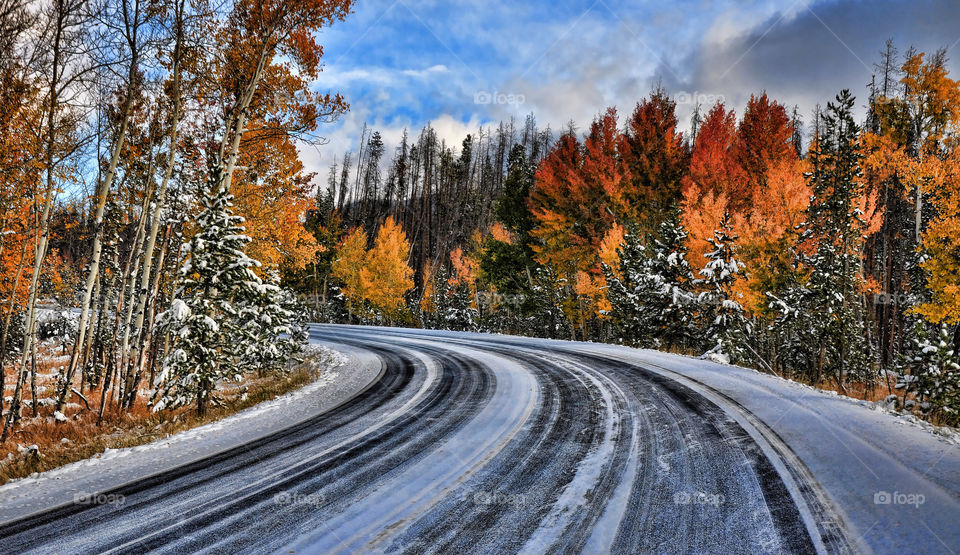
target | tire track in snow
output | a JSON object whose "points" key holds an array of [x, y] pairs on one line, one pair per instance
{"points": [[466, 443]]}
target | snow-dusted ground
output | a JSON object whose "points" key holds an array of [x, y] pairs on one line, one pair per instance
{"points": [[352, 370], [479, 443]]}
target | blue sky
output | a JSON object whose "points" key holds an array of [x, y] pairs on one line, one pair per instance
{"points": [[463, 64]]}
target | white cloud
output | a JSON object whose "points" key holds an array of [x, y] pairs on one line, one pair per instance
{"points": [[439, 68]]}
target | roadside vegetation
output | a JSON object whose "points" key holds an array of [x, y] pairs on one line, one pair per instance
{"points": [[42, 443]]}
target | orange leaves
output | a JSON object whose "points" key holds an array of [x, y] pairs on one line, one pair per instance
{"points": [[465, 268], [763, 140], [656, 157], [781, 206], [386, 277], [273, 196], [933, 98], [500, 233], [609, 247], [701, 217], [750, 170], [350, 260], [592, 302], [380, 276], [560, 204], [713, 167]]}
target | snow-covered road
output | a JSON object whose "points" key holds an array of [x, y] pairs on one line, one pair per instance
{"points": [[488, 444]]}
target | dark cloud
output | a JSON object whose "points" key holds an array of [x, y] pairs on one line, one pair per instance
{"points": [[808, 58]]}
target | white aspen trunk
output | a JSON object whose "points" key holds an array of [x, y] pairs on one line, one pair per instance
{"points": [[127, 285], [238, 116], [143, 292], [94, 267]]}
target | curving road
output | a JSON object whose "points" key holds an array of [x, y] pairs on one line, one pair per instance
{"points": [[474, 443]]}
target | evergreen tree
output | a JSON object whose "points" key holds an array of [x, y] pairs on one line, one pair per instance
{"points": [[223, 320], [652, 303], [547, 295], [821, 322], [511, 210], [727, 328], [930, 382], [626, 292], [272, 328]]}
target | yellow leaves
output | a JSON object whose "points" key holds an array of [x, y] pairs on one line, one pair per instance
{"points": [[349, 263], [610, 245], [386, 277], [942, 244], [933, 98], [427, 303], [380, 276]]}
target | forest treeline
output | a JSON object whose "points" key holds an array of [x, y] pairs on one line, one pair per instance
{"points": [[825, 251], [158, 228], [150, 191]]}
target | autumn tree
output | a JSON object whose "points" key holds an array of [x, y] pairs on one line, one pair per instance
{"points": [[578, 187], [763, 141], [655, 160], [941, 243], [914, 112], [711, 179], [347, 267], [751, 172], [386, 277], [270, 55]]}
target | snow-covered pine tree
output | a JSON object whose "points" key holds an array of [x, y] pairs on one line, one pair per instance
{"points": [[272, 328], [626, 292], [460, 314], [726, 329], [651, 298], [672, 279], [930, 382], [439, 300], [547, 318], [820, 323], [204, 320]]}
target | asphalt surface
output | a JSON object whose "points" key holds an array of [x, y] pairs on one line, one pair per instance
{"points": [[484, 444]]}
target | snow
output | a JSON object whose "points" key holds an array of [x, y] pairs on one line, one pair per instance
{"points": [[854, 450], [424, 483], [588, 473], [178, 310], [350, 371]]}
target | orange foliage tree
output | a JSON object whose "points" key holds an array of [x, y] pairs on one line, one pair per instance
{"points": [[941, 240], [376, 279], [752, 171], [386, 276], [347, 267], [273, 196]]}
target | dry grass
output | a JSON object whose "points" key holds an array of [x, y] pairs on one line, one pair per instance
{"points": [[119, 429]]}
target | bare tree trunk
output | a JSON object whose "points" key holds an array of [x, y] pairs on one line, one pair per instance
{"points": [[160, 204], [106, 183]]}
